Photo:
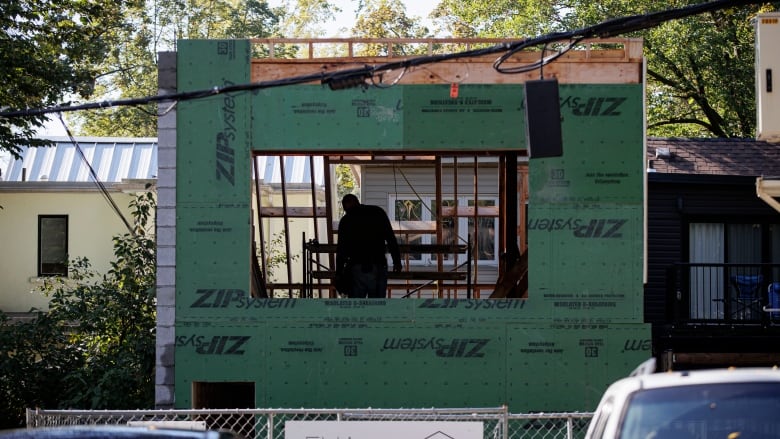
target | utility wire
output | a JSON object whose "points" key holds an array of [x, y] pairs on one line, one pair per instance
{"points": [[359, 76], [96, 179]]}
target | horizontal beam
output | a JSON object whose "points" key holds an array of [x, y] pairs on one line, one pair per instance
{"points": [[405, 275]]}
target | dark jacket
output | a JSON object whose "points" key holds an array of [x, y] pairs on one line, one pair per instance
{"points": [[363, 233]]}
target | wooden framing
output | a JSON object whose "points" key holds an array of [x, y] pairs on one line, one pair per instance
{"points": [[605, 61], [612, 60]]}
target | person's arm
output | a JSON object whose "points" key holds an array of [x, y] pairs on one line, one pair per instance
{"points": [[341, 246], [392, 243]]}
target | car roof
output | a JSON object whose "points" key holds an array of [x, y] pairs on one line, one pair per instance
{"points": [[686, 378]]}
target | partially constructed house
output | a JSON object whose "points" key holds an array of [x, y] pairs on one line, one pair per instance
{"points": [[554, 237]]}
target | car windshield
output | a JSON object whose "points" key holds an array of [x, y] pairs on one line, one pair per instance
{"points": [[723, 411]]}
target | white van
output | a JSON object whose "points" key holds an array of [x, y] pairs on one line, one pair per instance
{"points": [[719, 403]]}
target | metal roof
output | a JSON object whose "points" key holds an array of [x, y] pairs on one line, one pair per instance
{"points": [[118, 158], [114, 159], [297, 170]]}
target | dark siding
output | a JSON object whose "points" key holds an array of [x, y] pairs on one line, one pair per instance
{"points": [[671, 205]]}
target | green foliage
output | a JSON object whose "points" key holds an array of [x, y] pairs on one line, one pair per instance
{"points": [[95, 347], [48, 50], [306, 16], [346, 183], [130, 69], [276, 255], [387, 19], [700, 69], [497, 18]]}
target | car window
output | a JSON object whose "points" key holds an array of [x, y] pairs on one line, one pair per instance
{"points": [[728, 410]]}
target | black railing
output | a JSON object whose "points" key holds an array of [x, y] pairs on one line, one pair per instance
{"points": [[736, 294]]}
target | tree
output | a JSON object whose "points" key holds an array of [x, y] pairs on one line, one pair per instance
{"points": [[387, 19], [497, 18], [130, 70], [702, 87], [95, 347], [306, 16], [48, 50]]}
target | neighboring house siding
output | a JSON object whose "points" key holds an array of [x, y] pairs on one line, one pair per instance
{"points": [[673, 202], [60, 180], [379, 183], [91, 226]]}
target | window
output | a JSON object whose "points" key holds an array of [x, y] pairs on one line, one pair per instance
{"points": [[52, 245], [717, 243], [725, 410], [420, 213]]}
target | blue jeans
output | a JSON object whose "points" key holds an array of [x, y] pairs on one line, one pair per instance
{"points": [[369, 280]]}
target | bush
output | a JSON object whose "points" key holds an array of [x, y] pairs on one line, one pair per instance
{"points": [[95, 347]]}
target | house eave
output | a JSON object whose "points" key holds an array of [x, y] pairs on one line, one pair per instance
{"points": [[706, 179], [53, 186]]}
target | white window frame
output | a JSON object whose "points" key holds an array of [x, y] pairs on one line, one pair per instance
{"points": [[463, 228]]}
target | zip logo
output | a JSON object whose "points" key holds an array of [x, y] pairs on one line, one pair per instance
{"points": [[225, 154], [217, 298], [216, 345], [594, 106], [463, 348], [454, 348], [637, 345], [601, 228]]}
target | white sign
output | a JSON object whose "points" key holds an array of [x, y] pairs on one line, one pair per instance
{"points": [[382, 430]]}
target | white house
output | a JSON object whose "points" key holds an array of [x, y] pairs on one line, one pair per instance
{"points": [[62, 202]]}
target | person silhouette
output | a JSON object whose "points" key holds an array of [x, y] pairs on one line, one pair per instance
{"points": [[363, 235]]}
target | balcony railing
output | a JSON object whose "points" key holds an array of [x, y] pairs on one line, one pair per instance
{"points": [[735, 294]]}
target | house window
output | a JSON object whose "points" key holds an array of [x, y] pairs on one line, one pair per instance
{"points": [[727, 243], [420, 213], [733, 243], [52, 245]]}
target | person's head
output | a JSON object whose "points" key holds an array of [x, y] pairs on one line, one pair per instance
{"points": [[349, 202]]}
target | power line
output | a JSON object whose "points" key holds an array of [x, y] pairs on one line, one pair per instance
{"points": [[358, 76], [96, 179]]}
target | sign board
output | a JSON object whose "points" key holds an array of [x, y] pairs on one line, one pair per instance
{"points": [[382, 430]]}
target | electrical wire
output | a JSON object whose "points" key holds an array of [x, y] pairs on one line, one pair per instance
{"points": [[395, 81], [101, 187], [533, 66], [356, 76]]}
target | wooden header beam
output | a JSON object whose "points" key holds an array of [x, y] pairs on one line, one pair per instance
{"points": [[605, 61]]}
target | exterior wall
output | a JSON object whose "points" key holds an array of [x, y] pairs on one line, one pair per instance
{"points": [[166, 236], [91, 226], [379, 183], [673, 201], [224, 337]]}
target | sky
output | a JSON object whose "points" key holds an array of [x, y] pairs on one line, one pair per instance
{"points": [[346, 19]]}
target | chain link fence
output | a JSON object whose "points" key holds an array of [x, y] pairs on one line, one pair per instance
{"points": [[270, 423]]}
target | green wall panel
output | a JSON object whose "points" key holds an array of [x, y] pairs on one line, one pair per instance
{"points": [[212, 170], [568, 367], [586, 212], [399, 365], [316, 118], [412, 117], [580, 328], [602, 161], [212, 255], [212, 148], [587, 260], [482, 117], [322, 363]]}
